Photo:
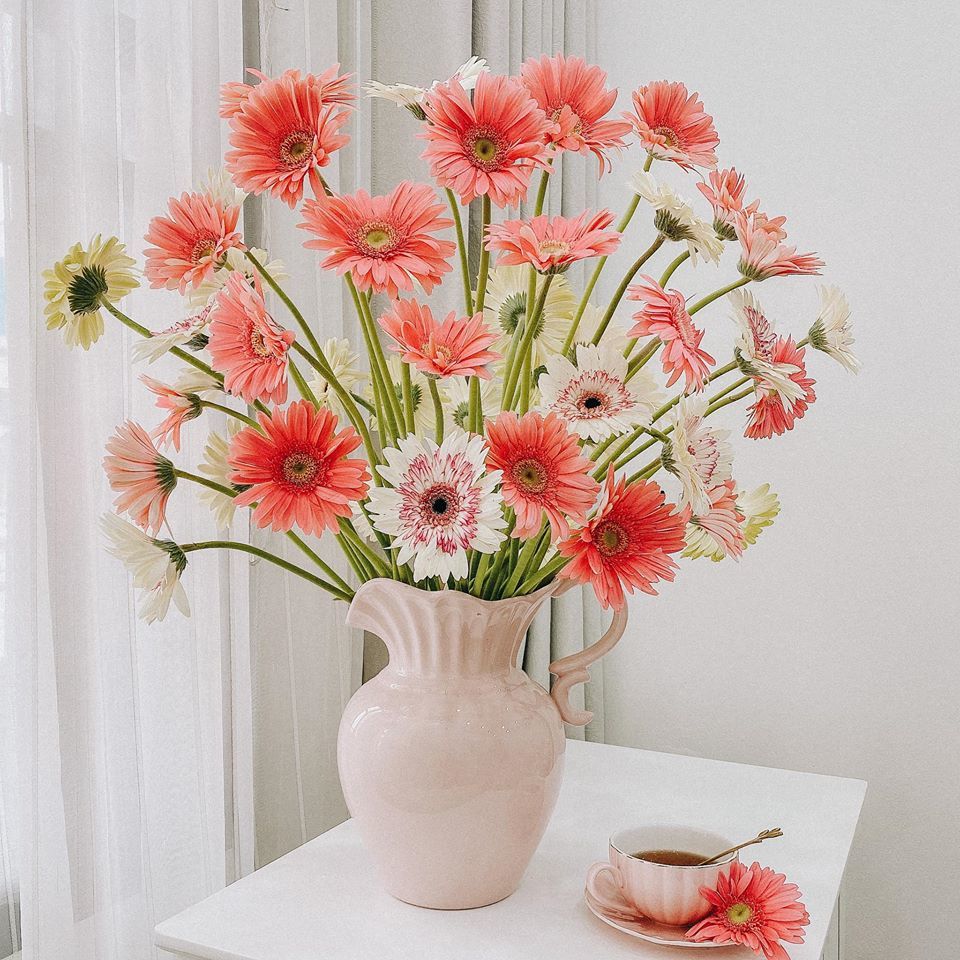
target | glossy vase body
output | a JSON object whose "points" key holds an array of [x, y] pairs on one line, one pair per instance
{"points": [[451, 758]]}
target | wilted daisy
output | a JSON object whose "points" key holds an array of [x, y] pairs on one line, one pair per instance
{"points": [[156, 566], [716, 531], [676, 219], [593, 397], [236, 262], [411, 97], [442, 502], [214, 466], [188, 332], [831, 331], [698, 455], [505, 308], [75, 287], [345, 364]]}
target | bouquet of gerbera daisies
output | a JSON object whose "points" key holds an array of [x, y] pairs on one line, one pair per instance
{"points": [[494, 448]]}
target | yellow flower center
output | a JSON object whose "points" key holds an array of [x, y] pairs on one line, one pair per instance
{"points": [[485, 148], [203, 248], [739, 913], [258, 345], [376, 238], [668, 134], [530, 475]]}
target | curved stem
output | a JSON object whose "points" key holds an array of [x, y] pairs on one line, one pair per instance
{"points": [[437, 407], [290, 305], [210, 405], [541, 191], [624, 283], [642, 357], [530, 329], [723, 291], [318, 560], [668, 273], [462, 247], [302, 384]]}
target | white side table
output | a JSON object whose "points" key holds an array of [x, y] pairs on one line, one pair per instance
{"points": [[322, 900]]}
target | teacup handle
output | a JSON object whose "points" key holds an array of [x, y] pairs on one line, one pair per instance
{"points": [[596, 869], [572, 670]]}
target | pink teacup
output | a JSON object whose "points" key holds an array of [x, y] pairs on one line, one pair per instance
{"points": [[667, 893]]}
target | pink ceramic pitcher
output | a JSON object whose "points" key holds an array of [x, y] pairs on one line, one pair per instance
{"points": [[451, 758]]}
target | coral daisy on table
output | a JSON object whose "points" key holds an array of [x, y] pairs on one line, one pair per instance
{"points": [[191, 242], [724, 189], [672, 125], [664, 315], [627, 544], [573, 94], [594, 397], [181, 408], [543, 471], [296, 469], [386, 242], [753, 906], [716, 529], [488, 146], [284, 132], [247, 345], [441, 502], [763, 256], [456, 347], [76, 286], [831, 332], [552, 244], [775, 410], [698, 455], [156, 566], [143, 477]]}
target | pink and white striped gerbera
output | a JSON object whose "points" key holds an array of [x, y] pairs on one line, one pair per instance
{"points": [[247, 346], [573, 94], [143, 477], [457, 347], [552, 244], [190, 243], [672, 125], [284, 131], [665, 315], [181, 407], [716, 529], [762, 255], [698, 455], [488, 146], [386, 242], [440, 502]]}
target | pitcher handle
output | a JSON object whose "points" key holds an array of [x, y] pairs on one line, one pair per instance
{"points": [[572, 670]]}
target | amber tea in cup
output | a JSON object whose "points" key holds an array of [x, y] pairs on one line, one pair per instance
{"points": [[673, 858]]}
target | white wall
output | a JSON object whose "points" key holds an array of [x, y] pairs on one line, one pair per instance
{"points": [[833, 645]]}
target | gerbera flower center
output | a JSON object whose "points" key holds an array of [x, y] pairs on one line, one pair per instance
{"points": [[85, 290], [577, 128], [554, 248], [531, 475], [485, 147], [203, 248], [685, 327], [592, 403], [669, 135], [611, 538], [296, 148], [258, 345], [377, 238], [301, 469], [739, 913], [439, 505]]}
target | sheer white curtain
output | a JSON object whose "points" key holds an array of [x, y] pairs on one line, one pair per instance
{"points": [[117, 795]]}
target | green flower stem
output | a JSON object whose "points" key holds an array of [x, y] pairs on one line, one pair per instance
{"points": [[613, 457], [530, 329], [733, 386], [475, 407], [360, 567], [290, 305], [302, 384], [406, 388], [386, 421], [474, 404], [526, 382], [462, 247], [642, 357], [210, 405], [542, 190], [204, 482], [668, 273], [542, 576], [376, 563], [624, 283], [265, 555], [723, 291], [715, 406], [437, 407], [528, 552]]}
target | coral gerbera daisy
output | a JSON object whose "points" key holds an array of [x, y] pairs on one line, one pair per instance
{"points": [[143, 477], [457, 347], [724, 190], [156, 566], [552, 244], [488, 146], [627, 543], [297, 470], [775, 410], [543, 470], [672, 125], [331, 86], [716, 529], [76, 286], [594, 397], [441, 502], [755, 907], [831, 331], [384, 242], [763, 256], [285, 130], [237, 262], [573, 94], [192, 242], [246, 344], [181, 406], [665, 315], [698, 455]]}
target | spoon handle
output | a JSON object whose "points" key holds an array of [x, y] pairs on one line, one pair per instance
{"points": [[759, 838]]}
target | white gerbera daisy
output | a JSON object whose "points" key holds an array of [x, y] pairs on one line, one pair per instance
{"points": [[192, 380], [458, 391], [214, 465], [759, 508], [755, 345], [345, 363], [75, 287], [236, 260], [615, 333], [676, 219], [442, 502], [361, 523], [411, 97], [698, 455], [505, 307], [219, 185], [156, 566], [832, 332], [594, 397], [188, 332]]}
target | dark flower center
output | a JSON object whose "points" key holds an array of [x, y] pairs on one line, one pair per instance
{"points": [[296, 148], [592, 402], [301, 469], [439, 505], [531, 475], [611, 538], [485, 148]]}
